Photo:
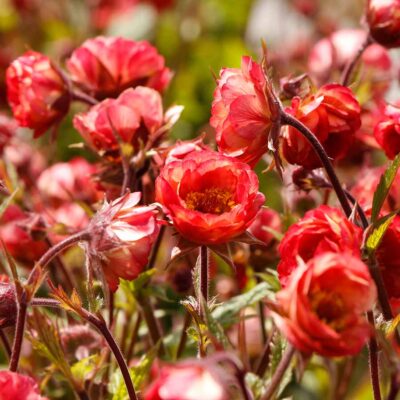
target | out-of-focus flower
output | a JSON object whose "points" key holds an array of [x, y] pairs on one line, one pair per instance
{"points": [[37, 92], [182, 148], [8, 127], [8, 304], [210, 198], [122, 236], [187, 381], [322, 308], [106, 66], [133, 118], [388, 258], [324, 229], [383, 18], [334, 52], [17, 240], [69, 181], [267, 221], [240, 113], [387, 131], [365, 187], [18, 387], [332, 114]]}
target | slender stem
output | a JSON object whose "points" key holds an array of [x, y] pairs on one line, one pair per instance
{"points": [[43, 302], [111, 310], [84, 98], [19, 333], [347, 73], [279, 372], [183, 338], [5, 342], [373, 360], [287, 119], [394, 387], [156, 247], [135, 332], [204, 279], [360, 211], [263, 362]]}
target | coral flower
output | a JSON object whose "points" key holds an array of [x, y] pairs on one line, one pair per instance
{"points": [[240, 113], [383, 18], [210, 198], [322, 308], [37, 93], [320, 230], [18, 387], [387, 131], [132, 118], [106, 66], [333, 115], [122, 235], [187, 381]]}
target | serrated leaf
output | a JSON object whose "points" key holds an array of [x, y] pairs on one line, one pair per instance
{"points": [[73, 303], [255, 384], [375, 238], [383, 187], [226, 313]]}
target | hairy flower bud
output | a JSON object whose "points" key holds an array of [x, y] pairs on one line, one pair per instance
{"points": [[37, 92], [8, 304]]}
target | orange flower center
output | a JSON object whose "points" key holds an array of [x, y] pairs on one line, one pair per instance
{"points": [[211, 200], [329, 308]]}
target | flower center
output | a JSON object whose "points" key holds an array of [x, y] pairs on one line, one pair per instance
{"points": [[329, 308], [211, 200]]}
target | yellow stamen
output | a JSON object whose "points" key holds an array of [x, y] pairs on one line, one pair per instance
{"points": [[211, 200]]}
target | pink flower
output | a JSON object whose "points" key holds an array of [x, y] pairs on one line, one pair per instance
{"points": [[106, 66], [265, 221], [387, 131], [37, 93], [133, 118], [210, 198], [14, 386], [187, 381], [322, 308], [8, 127], [240, 113], [122, 237]]}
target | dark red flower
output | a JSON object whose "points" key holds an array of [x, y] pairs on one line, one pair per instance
{"points": [[106, 66], [332, 114], [240, 113], [383, 18], [211, 198], [323, 305], [37, 92], [324, 229]]}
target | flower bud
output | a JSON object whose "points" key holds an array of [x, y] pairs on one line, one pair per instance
{"points": [[37, 92], [8, 304]]}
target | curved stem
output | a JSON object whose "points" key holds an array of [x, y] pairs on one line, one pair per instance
{"points": [[373, 360], [84, 98], [19, 333], [353, 62], [279, 372], [288, 119]]}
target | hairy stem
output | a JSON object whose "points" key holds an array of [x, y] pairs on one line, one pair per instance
{"points": [[19, 332], [279, 372], [204, 279], [373, 360]]}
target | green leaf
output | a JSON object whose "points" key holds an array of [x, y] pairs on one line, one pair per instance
{"points": [[226, 313], [140, 282], [380, 227], [85, 369], [7, 202], [383, 187]]}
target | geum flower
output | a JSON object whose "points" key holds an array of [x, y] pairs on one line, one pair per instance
{"points": [[324, 229], [240, 112], [332, 114], [387, 131], [106, 66], [322, 308], [122, 235], [18, 387], [210, 198], [37, 92], [135, 119]]}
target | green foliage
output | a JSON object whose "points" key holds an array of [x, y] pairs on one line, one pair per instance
{"points": [[379, 228]]}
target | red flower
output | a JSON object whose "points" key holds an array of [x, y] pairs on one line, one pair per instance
{"points": [[324, 229], [387, 131], [332, 114], [8, 128], [37, 93], [240, 113], [388, 257], [210, 198], [187, 381], [135, 116], [266, 220], [69, 181], [106, 66], [16, 239], [18, 387], [383, 17], [122, 235], [322, 308]]}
